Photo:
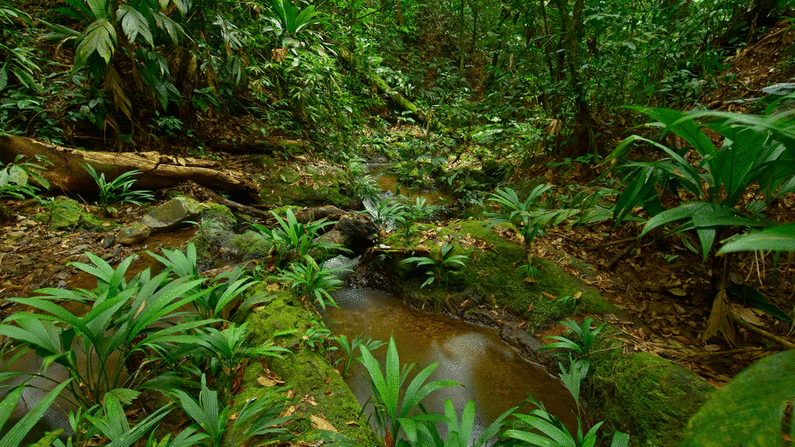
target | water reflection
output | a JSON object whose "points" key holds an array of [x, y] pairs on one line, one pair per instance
{"points": [[491, 372]]}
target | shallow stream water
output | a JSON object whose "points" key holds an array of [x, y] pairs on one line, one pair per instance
{"points": [[491, 372]]}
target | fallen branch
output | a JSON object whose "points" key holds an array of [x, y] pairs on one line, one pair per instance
{"points": [[761, 332]]}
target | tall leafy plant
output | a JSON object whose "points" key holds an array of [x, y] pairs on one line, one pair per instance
{"points": [[126, 318], [392, 403], [757, 157]]}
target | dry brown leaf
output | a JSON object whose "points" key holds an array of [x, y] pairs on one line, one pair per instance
{"points": [[270, 379], [352, 424], [719, 319], [309, 399], [530, 307], [747, 315], [273, 287], [321, 424], [549, 295]]}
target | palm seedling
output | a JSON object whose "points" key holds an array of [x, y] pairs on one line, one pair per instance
{"points": [[585, 333], [310, 280], [393, 404], [439, 269], [118, 190]]}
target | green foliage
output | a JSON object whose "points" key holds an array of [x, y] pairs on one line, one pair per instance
{"points": [[584, 332], [15, 178], [350, 350], [750, 410], [422, 430], [392, 403], [410, 213], [774, 238], [223, 290], [110, 421], [125, 319], [230, 346], [387, 212], [118, 191], [757, 150], [439, 269], [293, 236], [288, 21], [14, 435], [310, 280], [258, 417], [525, 214]]}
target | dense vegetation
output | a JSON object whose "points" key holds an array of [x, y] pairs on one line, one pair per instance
{"points": [[466, 96]]}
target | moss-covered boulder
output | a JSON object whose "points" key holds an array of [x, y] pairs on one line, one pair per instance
{"points": [[63, 213], [325, 395], [642, 394]]}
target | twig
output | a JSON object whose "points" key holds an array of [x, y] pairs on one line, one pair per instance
{"points": [[628, 249], [772, 337], [611, 243]]}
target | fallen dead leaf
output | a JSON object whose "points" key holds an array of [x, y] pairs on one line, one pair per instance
{"points": [[352, 424], [549, 295], [270, 379], [322, 424], [746, 314]]}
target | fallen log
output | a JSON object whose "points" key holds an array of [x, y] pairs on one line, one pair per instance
{"points": [[68, 174]]}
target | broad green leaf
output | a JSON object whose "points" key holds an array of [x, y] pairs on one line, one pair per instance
{"points": [[748, 411], [99, 8], [756, 299], [100, 37], [134, 24], [778, 238]]}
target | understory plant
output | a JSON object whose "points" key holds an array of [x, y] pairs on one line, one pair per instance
{"points": [[541, 428], [137, 333], [296, 238], [351, 347], [439, 269], [310, 280], [723, 191], [118, 190], [259, 417], [19, 179], [527, 215], [392, 403]]}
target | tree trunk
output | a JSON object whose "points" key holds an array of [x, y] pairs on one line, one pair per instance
{"points": [[571, 29]]}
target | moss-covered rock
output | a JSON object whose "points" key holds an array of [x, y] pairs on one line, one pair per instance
{"points": [[307, 370], [642, 394], [63, 213]]}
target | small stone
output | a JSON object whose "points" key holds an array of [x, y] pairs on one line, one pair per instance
{"points": [[172, 213], [133, 234]]}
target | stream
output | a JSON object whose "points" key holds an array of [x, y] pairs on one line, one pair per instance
{"points": [[491, 372]]}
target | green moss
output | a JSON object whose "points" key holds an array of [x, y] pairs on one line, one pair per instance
{"points": [[642, 394], [308, 371], [495, 274], [67, 214]]}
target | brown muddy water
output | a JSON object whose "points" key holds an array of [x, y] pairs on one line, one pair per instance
{"points": [[492, 373]]}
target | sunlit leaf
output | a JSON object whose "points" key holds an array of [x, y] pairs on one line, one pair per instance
{"points": [[779, 238]]}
